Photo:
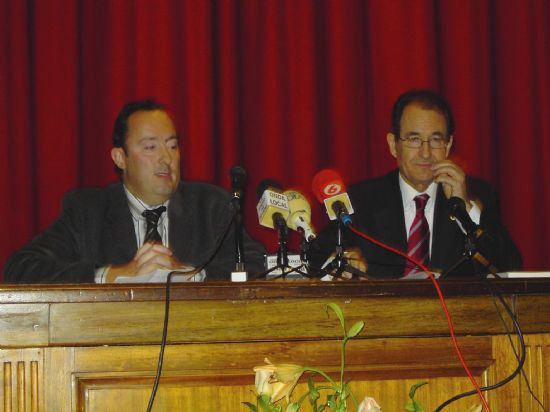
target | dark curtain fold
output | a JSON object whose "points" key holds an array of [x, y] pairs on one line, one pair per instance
{"points": [[283, 88]]}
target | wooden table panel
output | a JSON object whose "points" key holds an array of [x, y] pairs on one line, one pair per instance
{"points": [[92, 347]]}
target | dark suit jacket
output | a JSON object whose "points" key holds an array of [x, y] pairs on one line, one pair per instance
{"points": [[379, 212], [95, 229]]}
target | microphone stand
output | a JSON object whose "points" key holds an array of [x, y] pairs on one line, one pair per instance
{"points": [[472, 253], [304, 249], [340, 264], [282, 252], [238, 177], [240, 273]]}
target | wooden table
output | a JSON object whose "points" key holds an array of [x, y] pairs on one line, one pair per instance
{"points": [[95, 348]]}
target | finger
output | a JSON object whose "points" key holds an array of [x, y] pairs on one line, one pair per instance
{"points": [[452, 187], [453, 172], [445, 178], [445, 163], [143, 249], [156, 261], [162, 249], [450, 168], [150, 255], [146, 269], [151, 249], [177, 265]]}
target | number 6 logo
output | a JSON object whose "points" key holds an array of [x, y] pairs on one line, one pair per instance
{"points": [[332, 189]]}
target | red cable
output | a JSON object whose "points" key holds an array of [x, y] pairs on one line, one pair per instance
{"points": [[443, 304]]}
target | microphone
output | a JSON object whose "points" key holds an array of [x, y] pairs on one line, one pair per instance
{"points": [[272, 205], [330, 189], [300, 214], [457, 210], [238, 179]]}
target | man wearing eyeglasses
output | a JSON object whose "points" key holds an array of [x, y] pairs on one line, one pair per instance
{"points": [[408, 208]]}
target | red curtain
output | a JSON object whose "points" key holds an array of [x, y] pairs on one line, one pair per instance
{"points": [[283, 88]]}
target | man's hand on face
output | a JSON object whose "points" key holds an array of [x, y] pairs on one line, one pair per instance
{"points": [[453, 180], [148, 258]]}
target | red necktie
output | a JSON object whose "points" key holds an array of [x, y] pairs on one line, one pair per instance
{"points": [[419, 237]]}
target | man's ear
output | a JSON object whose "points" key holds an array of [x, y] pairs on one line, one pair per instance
{"points": [[119, 158], [390, 137], [448, 148]]}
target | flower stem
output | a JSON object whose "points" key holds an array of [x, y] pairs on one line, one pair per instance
{"points": [[323, 374], [342, 361]]}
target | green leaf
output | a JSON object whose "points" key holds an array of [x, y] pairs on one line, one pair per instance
{"points": [[417, 406], [265, 403], [415, 387], [331, 401], [251, 406], [264, 399], [355, 329], [342, 407], [293, 407], [314, 395], [414, 406], [338, 312]]}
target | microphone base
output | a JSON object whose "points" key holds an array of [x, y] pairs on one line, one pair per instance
{"points": [[239, 276], [276, 270]]}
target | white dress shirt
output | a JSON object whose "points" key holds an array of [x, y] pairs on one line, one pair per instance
{"points": [[408, 193], [137, 207]]}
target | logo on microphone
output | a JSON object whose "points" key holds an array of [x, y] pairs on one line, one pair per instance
{"points": [[332, 189]]}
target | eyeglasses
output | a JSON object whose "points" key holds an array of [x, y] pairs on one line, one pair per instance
{"points": [[415, 142]]}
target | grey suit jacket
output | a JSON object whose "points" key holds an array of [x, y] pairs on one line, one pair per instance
{"points": [[379, 213], [95, 229]]}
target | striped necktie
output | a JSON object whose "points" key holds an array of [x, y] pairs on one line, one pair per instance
{"points": [[419, 236], [152, 217]]}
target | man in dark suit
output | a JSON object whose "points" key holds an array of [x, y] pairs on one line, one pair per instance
{"points": [[387, 207], [105, 234]]}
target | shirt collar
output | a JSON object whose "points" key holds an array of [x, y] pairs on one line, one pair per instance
{"points": [[408, 193], [137, 206]]}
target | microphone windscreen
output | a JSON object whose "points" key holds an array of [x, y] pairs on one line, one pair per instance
{"points": [[456, 205], [457, 210], [272, 203], [327, 183], [329, 188], [297, 203], [238, 176], [300, 214]]}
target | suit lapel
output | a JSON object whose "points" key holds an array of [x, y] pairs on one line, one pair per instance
{"points": [[179, 212], [390, 217], [119, 243]]}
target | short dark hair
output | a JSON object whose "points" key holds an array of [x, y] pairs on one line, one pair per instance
{"points": [[426, 99], [120, 129]]}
